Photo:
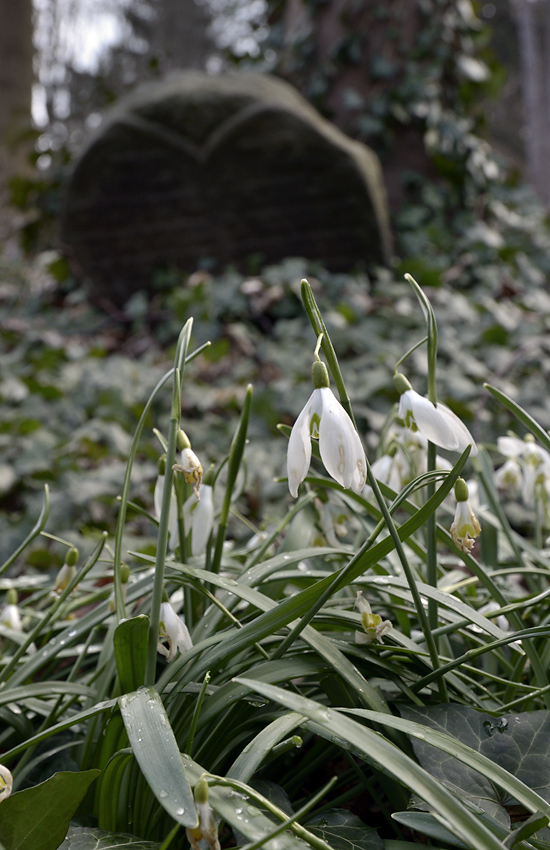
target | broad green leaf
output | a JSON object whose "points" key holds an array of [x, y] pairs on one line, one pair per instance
{"points": [[85, 838], [130, 643], [392, 844], [386, 757], [38, 818], [157, 753], [344, 831], [519, 743], [80, 717], [44, 689], [426, 824]]}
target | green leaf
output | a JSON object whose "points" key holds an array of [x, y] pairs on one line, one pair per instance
{"points": [[427, 825], [344, 831], [130, 642], [525, 418], [38, 818], [84, 838], [108, 788], [157, 753], [389, 759], [520, 743]]}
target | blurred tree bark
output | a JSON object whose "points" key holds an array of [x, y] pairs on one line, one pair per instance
{"points": [[343, 54], [16, 79], [180, 34], [533, 25]]}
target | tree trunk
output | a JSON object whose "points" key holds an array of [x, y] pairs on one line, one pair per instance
{"points": [[345, 54], [533, 95], [16, 79], [180, 36]]}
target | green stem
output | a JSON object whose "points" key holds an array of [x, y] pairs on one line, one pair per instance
{"points": [[125, 495], [318, 325], [235, 457], [40, 523], [162, 540]]}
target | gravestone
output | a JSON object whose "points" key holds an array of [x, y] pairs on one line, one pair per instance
{"points": [[198, 168]]}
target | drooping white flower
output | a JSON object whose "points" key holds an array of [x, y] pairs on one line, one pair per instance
{"points": [[324, 418], [173, 632], [6, 782], [191, 469], [64, 577], [438, 424], [199, 517], [510, 477], [374, 626], [465, 528], [534, 463], [173, 514], [11, 618]]}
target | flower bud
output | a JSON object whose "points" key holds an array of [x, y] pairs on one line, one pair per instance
{"points": [[319, 375], [71, 557]]}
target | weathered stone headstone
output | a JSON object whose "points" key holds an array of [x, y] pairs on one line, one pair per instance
{"points": [[220, 168]]}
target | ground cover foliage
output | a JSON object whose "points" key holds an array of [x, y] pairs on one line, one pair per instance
{"points": [[285, 712]]}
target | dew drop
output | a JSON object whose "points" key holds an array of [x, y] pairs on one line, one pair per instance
{"points": [[180, 810]]}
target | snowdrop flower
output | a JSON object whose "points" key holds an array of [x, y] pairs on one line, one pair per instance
{"points": [[173, 632], [199, 517], [64, 577], [534, 462], [206, 833], [438, 424], [465, 527], [324, 418], [190, 465], [510, 477], [67, 571], [6, 782], [10, 616], [374, 626]]}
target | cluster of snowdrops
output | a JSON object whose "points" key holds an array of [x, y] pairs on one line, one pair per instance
{"points": [[193, 522]]}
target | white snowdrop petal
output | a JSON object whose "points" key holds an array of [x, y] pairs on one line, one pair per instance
{"points": [[202, 520], [430, 421], [463, 436], [339, 444], [172, 516], [510, 446], [299, 450]]}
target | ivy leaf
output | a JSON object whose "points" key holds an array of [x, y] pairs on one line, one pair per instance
{"points": [[344, 831], [83, 838], [38, 818], [520, 743]]}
